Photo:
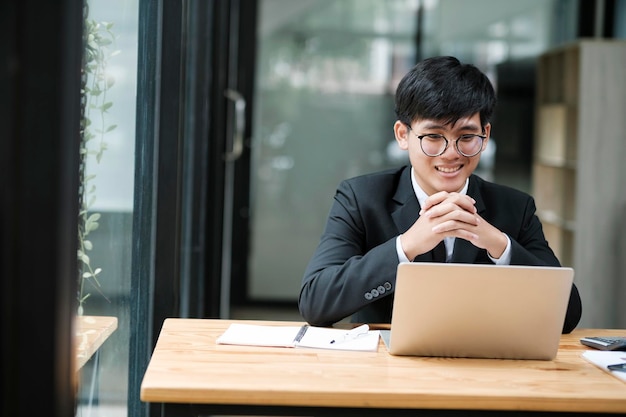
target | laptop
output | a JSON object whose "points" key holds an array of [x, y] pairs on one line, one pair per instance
{"points": [[479, 311]]}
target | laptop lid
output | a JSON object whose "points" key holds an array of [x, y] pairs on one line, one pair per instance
{"points": [[479, 311]]}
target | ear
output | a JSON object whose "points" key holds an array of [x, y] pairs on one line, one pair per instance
{"points": [[487, 129], [401, 132]]}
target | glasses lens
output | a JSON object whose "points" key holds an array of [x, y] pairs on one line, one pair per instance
{"points": [[433, 145], [469, 145]]}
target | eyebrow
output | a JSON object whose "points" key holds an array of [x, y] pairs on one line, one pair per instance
{"points": [[468, 126]]}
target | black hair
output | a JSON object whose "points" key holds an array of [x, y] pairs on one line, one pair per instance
{"points": [[444, 89]]}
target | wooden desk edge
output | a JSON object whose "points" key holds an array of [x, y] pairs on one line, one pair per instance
{"points": [[91, 333]]}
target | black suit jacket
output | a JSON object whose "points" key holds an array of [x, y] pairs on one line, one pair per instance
{"points": [[352, 272]]}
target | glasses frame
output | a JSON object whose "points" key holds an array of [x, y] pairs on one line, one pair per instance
{"points": [[456, 143]]}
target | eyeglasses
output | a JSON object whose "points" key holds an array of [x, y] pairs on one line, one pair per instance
{"points": [[435, 144]]}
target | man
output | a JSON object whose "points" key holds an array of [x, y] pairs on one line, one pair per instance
{"points": [[433, 210]]}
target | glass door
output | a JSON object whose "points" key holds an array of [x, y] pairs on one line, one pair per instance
{"points": [[326, 72]]}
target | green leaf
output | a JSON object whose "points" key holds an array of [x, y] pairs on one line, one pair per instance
{"points": [[85, 259], [94, 217]]}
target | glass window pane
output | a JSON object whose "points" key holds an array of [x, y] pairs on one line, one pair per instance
{"points": [[326, 74], [107, 195]]}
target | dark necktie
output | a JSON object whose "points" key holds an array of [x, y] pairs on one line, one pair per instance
{"points": [[439, 252]]}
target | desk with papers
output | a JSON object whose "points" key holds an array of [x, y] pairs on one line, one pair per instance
{"points": [[190, 374]]}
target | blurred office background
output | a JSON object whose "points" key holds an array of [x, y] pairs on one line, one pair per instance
{"points": [[233, 123]]}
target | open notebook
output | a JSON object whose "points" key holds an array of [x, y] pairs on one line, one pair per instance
{"points": [[360, 339], [483, 311]]}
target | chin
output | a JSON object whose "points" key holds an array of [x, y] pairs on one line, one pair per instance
{"points": [[453, 186]]}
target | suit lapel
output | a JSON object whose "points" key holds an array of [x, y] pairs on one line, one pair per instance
{"points": [[408, 209]]}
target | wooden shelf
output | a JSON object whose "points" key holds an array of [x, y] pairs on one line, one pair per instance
{"points": [[557, 130], [579, 166], [555, 191]]}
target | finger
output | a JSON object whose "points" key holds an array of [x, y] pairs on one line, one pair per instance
{"points": [[456, 229], [448, 211], [434, 200], [442, 198], [464, 201], [457, 220]]}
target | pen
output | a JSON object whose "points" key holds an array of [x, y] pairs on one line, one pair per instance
{"points": [[352, 334], [300, 334], [618, 367]]}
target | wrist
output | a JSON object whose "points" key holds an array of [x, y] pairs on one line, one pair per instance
{"points": [[405, 245], [499, 246]]}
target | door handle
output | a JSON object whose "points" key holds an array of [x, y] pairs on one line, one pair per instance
{"points": [[240, 124]]}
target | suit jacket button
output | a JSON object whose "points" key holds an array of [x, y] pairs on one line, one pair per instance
{"points": [[375, 292], [381, 289], [387, 285], [368, 296]]}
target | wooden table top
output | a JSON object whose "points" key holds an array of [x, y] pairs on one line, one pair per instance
{"points": [[91, 332], [187, 366]]}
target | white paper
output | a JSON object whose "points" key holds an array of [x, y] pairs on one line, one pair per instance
{"points": [[285, 336], [602, 359], [325, 338], [255, 335]]}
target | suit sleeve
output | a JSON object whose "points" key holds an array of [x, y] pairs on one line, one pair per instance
{"points": [[344, 274]]}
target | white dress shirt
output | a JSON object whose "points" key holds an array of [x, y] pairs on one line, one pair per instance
{"points": [[421, 195]]}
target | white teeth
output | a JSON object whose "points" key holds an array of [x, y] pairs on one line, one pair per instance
{"points": [[448, 170]]}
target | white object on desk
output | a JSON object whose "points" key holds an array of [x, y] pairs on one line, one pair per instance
{"points": [[358, 339], [350, 335], [602, 359]]}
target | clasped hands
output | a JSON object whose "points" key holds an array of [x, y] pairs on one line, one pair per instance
{"points": [[451, 215]]}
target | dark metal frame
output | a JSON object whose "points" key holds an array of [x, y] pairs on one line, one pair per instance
{"points": [[188, 55], [144, 212]]}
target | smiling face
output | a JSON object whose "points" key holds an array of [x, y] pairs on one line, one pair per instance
{"points": [[448, 171]]}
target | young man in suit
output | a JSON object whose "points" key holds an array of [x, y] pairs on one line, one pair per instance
{"points": [[434, 210]]}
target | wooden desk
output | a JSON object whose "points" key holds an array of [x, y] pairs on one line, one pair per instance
{"points": [[190, 375], [91, 332]]}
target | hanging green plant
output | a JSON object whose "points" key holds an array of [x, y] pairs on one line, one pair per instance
{"points": [[99, 40]]}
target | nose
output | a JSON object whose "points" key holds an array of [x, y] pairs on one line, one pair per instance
{"points": [[451, 152]]}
